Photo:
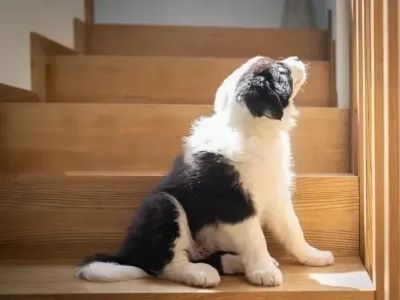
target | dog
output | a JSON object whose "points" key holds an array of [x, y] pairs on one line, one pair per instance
{"points": [[234, 178]]}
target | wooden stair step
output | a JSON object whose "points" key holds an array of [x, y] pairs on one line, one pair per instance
{"points": [[54, 138], [195, 41], [86, 213], [97, 78], [347, 279]]}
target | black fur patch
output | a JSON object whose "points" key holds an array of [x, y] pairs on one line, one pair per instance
{"points": [[150, 239], [215, 260], [266, 89], [210, 193]]}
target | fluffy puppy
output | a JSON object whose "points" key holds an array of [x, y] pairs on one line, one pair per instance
{"points": [[234, 177]]}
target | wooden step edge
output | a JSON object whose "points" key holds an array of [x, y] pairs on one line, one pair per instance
{"points": [[54, 279]]}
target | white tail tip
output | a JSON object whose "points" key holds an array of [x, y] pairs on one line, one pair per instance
{"points": [[106, 271]]}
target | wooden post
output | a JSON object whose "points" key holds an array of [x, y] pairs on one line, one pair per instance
{"points": [[376, 78], [89, 12], [80, 33], [41, 48]]}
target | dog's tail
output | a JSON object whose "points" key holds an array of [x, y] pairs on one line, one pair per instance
{"points": [[105, 268]]}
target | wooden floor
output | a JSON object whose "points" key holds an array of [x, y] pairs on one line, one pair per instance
{"points": [[55, 280]]}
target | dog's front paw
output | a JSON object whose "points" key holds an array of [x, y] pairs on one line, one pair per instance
{"points": [[268, 276], [317, 258], [201, 275]]}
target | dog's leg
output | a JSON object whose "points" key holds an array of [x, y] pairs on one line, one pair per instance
{"points": [[247, 240], [232, 264], [180, 269], [281, 219]]}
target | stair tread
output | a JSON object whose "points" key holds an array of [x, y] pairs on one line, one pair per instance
{"points": [[55, 277]]}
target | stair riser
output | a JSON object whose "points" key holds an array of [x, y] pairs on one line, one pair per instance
{"points": [[206, 41], [61, 138], [78, 216], [158, 80]]}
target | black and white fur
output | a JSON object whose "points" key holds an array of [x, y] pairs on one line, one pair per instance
{"points": [[234, 178]]}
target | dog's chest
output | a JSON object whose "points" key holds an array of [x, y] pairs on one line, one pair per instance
{"points": [[266, 172]]}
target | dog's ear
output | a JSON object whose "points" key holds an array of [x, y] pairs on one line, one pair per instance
{"points": [[262, 100]]}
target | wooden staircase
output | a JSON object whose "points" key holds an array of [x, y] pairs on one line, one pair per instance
{"points": [[111, 115]]}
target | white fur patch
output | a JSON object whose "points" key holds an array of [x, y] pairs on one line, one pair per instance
{"points": [[180, 269], [232, 264], [102, 271], [199, 274]]}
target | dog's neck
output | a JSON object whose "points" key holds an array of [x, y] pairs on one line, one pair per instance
{"points": [[240, 120]]}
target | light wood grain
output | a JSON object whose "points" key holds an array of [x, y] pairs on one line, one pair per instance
{"points": [[207, 41], [376, 78], [377, 136], [57, 138], [394, 146], [10, 93], [82, 215], [54, 279], [96, 78], [41, 49]]}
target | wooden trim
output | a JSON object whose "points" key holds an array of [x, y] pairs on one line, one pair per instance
{"points": [[10, 93], [355, 89], [89, 12], [394, 147], [80, 33], [376, 78], [41, 49], [332, 62]]}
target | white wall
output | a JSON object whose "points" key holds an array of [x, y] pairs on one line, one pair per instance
{"points": [[51, 18], [321, 9], [243, 13], [342, 27]]}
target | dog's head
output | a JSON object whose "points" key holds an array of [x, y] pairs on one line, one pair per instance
{"points": [[261, 88]]}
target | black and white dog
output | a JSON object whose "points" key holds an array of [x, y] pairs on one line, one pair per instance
{"points": [[234, 178]]}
